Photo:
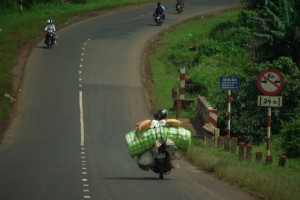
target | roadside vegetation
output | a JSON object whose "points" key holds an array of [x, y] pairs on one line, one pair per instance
{"points": [[242, 43], [209, 47]]}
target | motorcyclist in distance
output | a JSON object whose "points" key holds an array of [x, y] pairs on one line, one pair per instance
{"points": [[181, 2], [160, 9], [50, 28]]}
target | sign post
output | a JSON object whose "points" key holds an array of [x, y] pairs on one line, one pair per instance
{"points": [[270, 82], [229, 83]]}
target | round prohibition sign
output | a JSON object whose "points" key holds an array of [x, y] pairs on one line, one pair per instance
{"points": [[270, 82]]}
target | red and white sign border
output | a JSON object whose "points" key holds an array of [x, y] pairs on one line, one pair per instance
{"points": [[262, 75]]}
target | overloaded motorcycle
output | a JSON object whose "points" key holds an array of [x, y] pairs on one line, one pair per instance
{"points": [[49, 40], [179, 8], [158, 18], [164, 156], [155, 147]]}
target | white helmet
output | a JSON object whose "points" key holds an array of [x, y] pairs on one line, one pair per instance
{"points": [[49, 21]]}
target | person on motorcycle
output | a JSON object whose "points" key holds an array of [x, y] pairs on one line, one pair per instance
{"points": [[160, 117], [50, 28], [180, 2], [160, 9]]}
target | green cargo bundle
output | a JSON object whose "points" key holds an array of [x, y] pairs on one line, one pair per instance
{"points": [[139, 142]]}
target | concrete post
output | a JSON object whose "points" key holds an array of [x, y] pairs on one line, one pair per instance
{"points": [[242, 151]]}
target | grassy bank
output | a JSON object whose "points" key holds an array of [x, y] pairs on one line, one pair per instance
{"points": [[17, 30], [258, 178], [266, 181]]}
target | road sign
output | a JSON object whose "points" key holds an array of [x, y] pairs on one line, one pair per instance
{"points": [[269, 101], [230, 82], [270, 82]]}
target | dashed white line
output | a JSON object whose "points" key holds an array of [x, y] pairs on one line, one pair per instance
{"points": [[83, 157]]}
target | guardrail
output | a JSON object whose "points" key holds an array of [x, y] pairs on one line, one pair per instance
{"points": [[209, 117]]}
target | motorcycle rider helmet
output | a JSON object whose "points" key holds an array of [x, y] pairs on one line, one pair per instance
{"points": [[160, 114], [48, 21]]}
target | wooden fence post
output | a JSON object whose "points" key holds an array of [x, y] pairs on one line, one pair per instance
{"points": [[258, 156], [282, 161], [241, 151], [234, 144], [249, 152], [220, 142]]}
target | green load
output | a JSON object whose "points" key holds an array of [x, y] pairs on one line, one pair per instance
{"points": [[139, 142]]}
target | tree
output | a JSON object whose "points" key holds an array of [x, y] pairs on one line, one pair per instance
{"points": [[277, 23]]}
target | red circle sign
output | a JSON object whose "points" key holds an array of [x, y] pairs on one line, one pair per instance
{"points": [[270, 82]]}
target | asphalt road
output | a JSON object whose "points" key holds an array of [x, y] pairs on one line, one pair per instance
{"points": [[77, 101]]}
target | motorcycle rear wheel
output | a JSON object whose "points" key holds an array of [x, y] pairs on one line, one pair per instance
{"points": [[161, 171], [161, 175]]}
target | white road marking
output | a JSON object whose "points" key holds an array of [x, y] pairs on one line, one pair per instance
{"points": [[81, 119], [87, 197]]}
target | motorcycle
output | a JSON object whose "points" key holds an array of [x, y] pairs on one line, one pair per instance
{"points": [[161, 159], [49, 41], [158, 18], [179, 8]]}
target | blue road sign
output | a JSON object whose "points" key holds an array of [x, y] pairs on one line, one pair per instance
{"points": [[230, 82]]}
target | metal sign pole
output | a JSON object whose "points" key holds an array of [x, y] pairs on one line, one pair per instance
{"points": [[182, 83], [229, 110], [269, 131]]}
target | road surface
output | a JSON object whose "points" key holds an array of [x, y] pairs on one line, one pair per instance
{"points": [[77, 101]]}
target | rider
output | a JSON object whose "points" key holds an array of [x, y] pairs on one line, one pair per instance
{"points": [[180, 2], [50, 28], [160, 9], [160, 117]]}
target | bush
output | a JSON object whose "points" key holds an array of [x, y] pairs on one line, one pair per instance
{"points": [[291, 138]]}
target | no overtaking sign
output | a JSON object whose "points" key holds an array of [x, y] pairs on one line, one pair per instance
{"points": [[270, 82]]}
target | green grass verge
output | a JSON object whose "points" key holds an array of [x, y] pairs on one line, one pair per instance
{"points": [[266, 181]]}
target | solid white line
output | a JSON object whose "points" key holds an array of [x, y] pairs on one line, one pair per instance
{"points": [[81, 119]]}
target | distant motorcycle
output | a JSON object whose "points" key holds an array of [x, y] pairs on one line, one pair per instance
{"points": [[158, 18], [179, 8], [49, 40]]}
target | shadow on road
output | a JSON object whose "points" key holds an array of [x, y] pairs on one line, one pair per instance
{"points": [[137, 178]]}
